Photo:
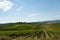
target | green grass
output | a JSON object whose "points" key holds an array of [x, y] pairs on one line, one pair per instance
{"points": [[32, 29]]}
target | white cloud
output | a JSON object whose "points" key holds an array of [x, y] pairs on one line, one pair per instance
{"points": [[20, 8], [0, 0], [8, 19], [1, 18], [5, 5], [32, 15]]}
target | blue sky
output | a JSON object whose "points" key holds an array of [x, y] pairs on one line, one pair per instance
{"points": [[29, 10]]}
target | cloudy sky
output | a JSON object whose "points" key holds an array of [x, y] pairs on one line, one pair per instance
{"points": [[29, 10]]}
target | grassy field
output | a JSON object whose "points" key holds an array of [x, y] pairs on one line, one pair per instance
{"points": [[30, 31]]}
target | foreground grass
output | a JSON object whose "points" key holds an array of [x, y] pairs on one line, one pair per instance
{"points": [[30, 32]]}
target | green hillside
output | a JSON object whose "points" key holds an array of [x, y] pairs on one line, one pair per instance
{"points": [[48, 31]]}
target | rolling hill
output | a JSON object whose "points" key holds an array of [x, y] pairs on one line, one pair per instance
{"points": [[48, 30]]}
